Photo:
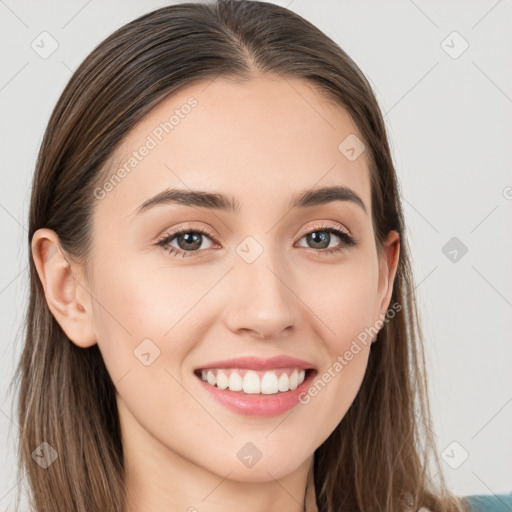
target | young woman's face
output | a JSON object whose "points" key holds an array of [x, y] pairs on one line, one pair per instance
{"points": [[273, 279]]}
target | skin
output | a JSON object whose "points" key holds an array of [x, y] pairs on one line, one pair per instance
{"points": [[261, 142]]}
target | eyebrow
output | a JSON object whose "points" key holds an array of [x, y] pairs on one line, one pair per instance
{"points": [[221, 202]]}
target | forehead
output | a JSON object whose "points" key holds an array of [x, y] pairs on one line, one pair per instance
{"points": [[261, 140]]}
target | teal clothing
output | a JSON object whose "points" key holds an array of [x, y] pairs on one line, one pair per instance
{"points": [[489, 503]]}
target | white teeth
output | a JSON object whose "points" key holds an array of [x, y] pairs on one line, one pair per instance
{"points": [[235, 382], [294, 379], [251, 383], [269, 383], [222, 380], [210, 377], [283, 384]]}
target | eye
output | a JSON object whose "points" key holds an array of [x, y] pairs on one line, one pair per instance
{"points": [[188, 240], [321, 238]]}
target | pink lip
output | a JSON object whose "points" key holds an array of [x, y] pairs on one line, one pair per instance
{"points": [[256, 404], [255, 363]]}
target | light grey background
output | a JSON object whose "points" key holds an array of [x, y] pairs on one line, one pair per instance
{"points": [[450, 126]]}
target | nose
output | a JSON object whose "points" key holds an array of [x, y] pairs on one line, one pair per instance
{"points": [[261, 301]]}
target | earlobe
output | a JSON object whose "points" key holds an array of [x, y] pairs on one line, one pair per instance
{"points": [[67, 299]]}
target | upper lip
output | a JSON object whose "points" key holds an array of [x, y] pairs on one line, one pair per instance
{"points": [[255, 363]]}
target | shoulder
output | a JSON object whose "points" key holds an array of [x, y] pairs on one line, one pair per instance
{"points": [[484, 503], [489, 503]]}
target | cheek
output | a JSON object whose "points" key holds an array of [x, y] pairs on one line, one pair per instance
{"points": [[148, 312], [337, 383], [344, 299], [352, 317], [143, 326], [142, 301], [346, 308]]}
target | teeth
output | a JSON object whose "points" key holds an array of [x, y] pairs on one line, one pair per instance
{"points": [[284, 383], [222, 380], [253, 383], [269, 384], [294, 379], [235, 382]]}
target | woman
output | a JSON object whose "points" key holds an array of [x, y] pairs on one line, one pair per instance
{"points": [[222, 309]]}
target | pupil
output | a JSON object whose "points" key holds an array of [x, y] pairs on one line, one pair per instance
{"points": [[319, 237], [190, 238]]}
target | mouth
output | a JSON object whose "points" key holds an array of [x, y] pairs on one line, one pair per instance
{"points": [[255, 382], [252, 386], [260, 393]]}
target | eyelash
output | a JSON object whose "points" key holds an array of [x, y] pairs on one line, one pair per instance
{"points": [[347, 240]]}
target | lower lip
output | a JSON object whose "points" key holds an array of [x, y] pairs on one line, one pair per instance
{"points": [[258, 404]]}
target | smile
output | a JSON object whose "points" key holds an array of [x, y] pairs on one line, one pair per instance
{"points": [[254, 382], [259, 393]]}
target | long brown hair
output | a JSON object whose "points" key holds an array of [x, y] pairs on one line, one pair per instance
{"points": [[377, 458]]}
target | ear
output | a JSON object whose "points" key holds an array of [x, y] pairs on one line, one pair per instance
{"points": [[68, 299], [388, 264]]}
